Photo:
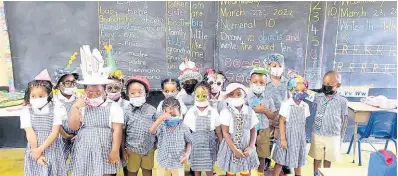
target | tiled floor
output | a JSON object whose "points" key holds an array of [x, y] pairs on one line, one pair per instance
{"points": [[11, 160]]}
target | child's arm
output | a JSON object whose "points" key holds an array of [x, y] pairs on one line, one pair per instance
{"points": [[37, 152], [64, 134], [74, 121], [31, 137], [219, 133], [157, 123], [253, 137], [282, 131], [117, 129]]}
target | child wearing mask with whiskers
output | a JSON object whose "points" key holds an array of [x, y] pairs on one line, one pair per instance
{"points": [[174, 139], [138, 142], [42, 120], [290, 146], [170, 88], [203, 121]]}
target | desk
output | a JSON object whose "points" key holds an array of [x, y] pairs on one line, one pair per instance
{"points": [[343, 171], [360, 112]]}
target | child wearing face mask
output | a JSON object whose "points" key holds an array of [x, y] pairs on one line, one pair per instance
{"points": [[138, 144], [263, 105], [174, 139], [276, 86], [237, 152], [99, 120], [189, 76], [331, 111], [290, 146], [216, 80], [203, 121], [114, 89], [170, 88], [42, 120]]}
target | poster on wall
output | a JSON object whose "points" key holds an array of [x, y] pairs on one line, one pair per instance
{"points": [[5, 52]]}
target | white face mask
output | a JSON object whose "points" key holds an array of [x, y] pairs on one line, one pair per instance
{"points": [[69, 90], [257, 89], [170, 94], [201, 104], [236, 102], [138, 101], [276, 71], [95, 101], [38, 102]]}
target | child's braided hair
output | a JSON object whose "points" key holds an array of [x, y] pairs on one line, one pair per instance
{"points": [[47, 85]]}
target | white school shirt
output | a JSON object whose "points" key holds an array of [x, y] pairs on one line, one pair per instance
{"points": [[115, 114], [226, 117], [25, 117], [190, 117], [58, 102], [285, 108]]}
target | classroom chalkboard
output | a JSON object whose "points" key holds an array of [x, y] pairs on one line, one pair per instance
{"points": [[356, 38]]}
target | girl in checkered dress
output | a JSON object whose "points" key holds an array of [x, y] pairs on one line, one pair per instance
{"points": [[203, 120], [237, 153], [174, 139], [41, 120], [290, 146]]}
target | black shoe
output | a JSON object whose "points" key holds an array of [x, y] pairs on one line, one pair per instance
{"points": [[267, 164], [286, 170]]}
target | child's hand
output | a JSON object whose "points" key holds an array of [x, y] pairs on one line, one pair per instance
{"points": [[284, 143], [247, 151], [184, 159], [259, 108], [114, 157], [73, 138], [42, 161], [36, 153], [79, 103], [165, 115], [125, 155], [238, 153]]}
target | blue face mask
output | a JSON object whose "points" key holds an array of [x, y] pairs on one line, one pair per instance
{"points": [[174, 121], [299, 96]]}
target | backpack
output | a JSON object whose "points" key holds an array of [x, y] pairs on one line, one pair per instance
{"points": [[382, 163]]}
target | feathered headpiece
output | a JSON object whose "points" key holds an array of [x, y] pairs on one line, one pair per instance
{"points": [[92, 66], [188, 70]]}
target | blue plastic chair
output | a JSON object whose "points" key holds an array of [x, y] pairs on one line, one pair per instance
{"points": [[381, 125]]}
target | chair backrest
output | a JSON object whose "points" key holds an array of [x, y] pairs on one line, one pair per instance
{"points": [[381, 124]]}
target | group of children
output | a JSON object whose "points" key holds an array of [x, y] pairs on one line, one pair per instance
{"points": [[203, 123]]}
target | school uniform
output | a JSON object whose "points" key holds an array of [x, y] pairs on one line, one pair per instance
{"points": [[240, 124], [263, 131], [217, 102], [188, 100], [139, 141], [42, 122], [61, 100], [330, 120], [90, 153], [171, 148], [205, 146], [278, 94], [295, 117]]}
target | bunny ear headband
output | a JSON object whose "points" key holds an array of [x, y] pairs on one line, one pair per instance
{"points": [[188, 70], [59, 72]]}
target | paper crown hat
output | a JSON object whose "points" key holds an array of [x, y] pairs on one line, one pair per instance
{"points": [[276, 57], [43, 76], [259, 70], [188, 70], [92, 67], [59, 72], [111, 63]]}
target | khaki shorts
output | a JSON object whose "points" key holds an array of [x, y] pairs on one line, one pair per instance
{"points": [[137, 161], [325, 148], [262, 143]]}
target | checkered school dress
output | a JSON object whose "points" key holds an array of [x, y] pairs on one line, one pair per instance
{"points": [[90, 152], [294, 155], [204, 145], [171, 145], [42, 125], [66, 144], [241, 138]]}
